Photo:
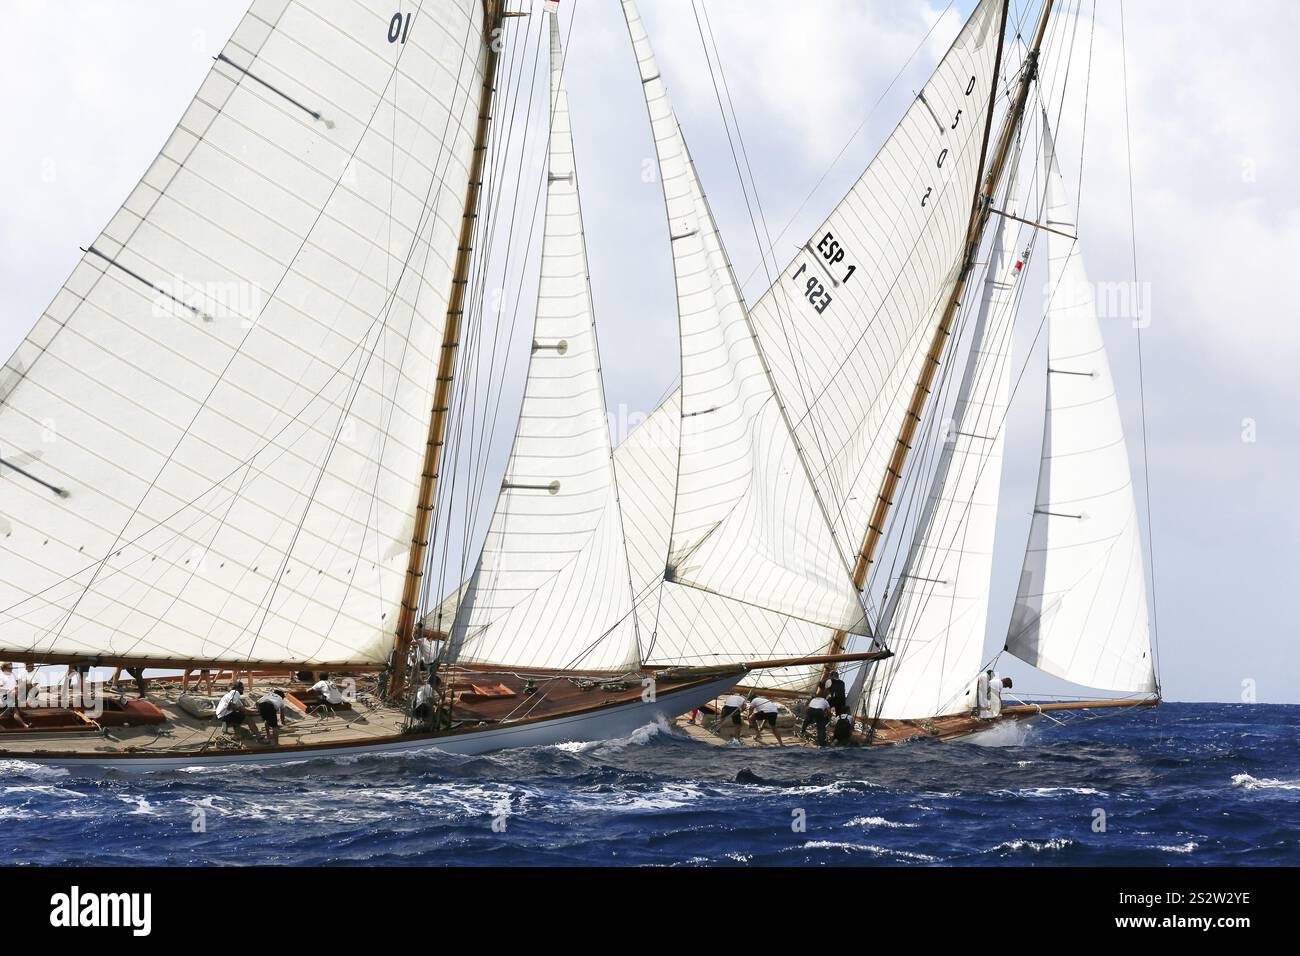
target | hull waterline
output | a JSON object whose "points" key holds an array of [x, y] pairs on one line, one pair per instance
{"points": [[593, 725]]}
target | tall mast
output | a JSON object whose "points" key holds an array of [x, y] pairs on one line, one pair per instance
{"points": [[980, 211], [492, 16]]}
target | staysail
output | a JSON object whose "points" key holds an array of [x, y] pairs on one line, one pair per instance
{"points": [[1081, 609], [746, 520], [935, 618], [552, 587], [224, 409]]}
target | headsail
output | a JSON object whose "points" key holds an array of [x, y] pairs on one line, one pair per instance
{"points": [[846, 326], [746, 520], [1081, 610], [552, 587], [935, 618], [233, 385]]}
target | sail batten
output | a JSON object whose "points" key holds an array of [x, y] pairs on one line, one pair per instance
{"points": [[230, 382], [1081, 609]]}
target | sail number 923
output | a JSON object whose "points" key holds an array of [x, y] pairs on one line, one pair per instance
{"points": [[814, 290]]}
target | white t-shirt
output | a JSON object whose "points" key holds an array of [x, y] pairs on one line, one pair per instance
{"points": [[995, 696], [818, 703], [327, 690], [425, 651], [423, 695], [8, 690], [275, 700], [229, 703], [734, 700], [764, 706]]}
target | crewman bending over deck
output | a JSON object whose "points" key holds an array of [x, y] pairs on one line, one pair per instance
{"points": [[819, 713], [230, 709], [843, 733], [425, 705], [271, 709], [328, 691], [729, 720], [763, 713]]}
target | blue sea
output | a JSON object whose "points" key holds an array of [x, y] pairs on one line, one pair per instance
{"points": [[1183, 784]]}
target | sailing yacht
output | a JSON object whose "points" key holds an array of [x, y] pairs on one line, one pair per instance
{"points": [[266, 493]]}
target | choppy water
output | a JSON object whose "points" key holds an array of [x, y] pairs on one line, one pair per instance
{"points": [[1185, 784]]}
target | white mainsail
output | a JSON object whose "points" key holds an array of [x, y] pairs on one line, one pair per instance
{"points": [[846, 326], [935, 618], [746, 521], [1081, 609], [233, 386], [551, 587]]}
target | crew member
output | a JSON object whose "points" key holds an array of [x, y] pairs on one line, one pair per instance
{"points": [[271, 709], [819, 713], [763, 714], [843, 732], [835, 693], [731, 707], [230, 709], [10, 702], [996, 686], [329, 692]]}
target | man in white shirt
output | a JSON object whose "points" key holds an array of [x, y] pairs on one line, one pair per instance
{"points": [[329, 693], [819, 713], [230, 709], [996, 686], [426, 651], [729, 720], [271, 710], [424, 705], [10, 701], [982, 692], [763, 714]]}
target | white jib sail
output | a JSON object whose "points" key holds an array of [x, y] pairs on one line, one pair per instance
{"points": [[746, 521], [684, 625], [935, 619], [233, 387], [846, 326], [1081, 610], [552, 587]]}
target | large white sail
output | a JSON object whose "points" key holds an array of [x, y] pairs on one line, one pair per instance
{"points": [[552, 588], [935, 618], [684, 625], [746, 521], [1081, 609], [233, 386], [846, 326]]}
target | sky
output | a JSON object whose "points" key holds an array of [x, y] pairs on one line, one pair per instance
{"points": [[92, 89]]}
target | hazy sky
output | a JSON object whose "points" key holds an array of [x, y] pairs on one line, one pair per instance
{"points": [[92, 89]]}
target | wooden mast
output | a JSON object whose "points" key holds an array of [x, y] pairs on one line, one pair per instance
{"points": [[980, 212], [406, 618]]}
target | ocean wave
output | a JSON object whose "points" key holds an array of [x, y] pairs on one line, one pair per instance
{"points": [[880, 822], [1247, 782], [878, 851], [1187, 847], [1036, 846]]}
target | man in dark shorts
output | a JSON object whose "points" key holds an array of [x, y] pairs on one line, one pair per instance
{"points": [[836, 694], [730, 715], [271, 710], [763, 714], [230, 709], [819, 713]]}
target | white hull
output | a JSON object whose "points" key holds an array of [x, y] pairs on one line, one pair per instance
{"points": [[605, 724]]}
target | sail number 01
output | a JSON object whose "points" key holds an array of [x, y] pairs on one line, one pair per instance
{"points": [[399, 27]]}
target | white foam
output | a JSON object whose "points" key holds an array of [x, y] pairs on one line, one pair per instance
{"points": [[1247, 782], [880, 822], [869, 848], [1011, 733], [1058, 843], [1187, 847]]}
